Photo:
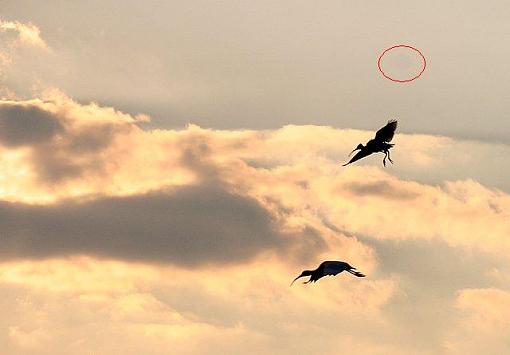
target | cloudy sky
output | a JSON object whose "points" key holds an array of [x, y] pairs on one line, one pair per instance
{"points": [[167, 168]]}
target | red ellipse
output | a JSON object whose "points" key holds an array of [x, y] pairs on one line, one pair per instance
{"points": [[402, 46]]}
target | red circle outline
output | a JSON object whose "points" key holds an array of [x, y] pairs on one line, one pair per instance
{"points": [[402, 46]]}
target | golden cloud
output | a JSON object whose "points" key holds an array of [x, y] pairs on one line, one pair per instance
{"points": [[189, 237], [27, 33]]}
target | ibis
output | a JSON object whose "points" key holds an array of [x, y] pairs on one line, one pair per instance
{"points": [[328, 268], [380, 143]]}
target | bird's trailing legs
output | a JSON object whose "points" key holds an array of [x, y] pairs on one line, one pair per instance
{"points": [[389, 158], [387, 155]]}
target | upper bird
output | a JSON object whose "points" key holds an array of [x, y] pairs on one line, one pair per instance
{"points": [[380, 143], [328, 268]]}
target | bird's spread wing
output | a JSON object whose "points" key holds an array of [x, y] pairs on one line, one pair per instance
{"points": [[358, 156], [334, 267], [386, 133]]}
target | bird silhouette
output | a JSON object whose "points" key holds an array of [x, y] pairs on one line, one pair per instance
{"points": [[327, 268], [380, 143]]}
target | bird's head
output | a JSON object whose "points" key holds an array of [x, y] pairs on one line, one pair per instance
{"points": [[359, 147], [303, 274]]}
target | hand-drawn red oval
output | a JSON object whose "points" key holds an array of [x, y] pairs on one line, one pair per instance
{"points": [[399, 80]]}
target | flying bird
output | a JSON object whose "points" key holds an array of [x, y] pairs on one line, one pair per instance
{"points": [[328, 268], [380, 143]]}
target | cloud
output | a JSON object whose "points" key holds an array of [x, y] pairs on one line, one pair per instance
{"points": [[27, 34], [118, 239], [430, 274], [187, 310], [382, 189], [486, 306], [15, 35], [25, 125], [88, 151], [190, 226], [64, 138], [482, 325], [208, 227]]}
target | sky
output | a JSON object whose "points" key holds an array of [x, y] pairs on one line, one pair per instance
{"points": [[168, 168]]}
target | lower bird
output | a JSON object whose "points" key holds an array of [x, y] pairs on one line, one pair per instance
{"points": [[380, 143], [327, 268]]}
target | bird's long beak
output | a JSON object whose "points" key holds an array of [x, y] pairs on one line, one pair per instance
{"points": [[295, 280], [355, 149]]}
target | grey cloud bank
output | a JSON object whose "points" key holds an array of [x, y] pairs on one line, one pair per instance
{"points": [[189, 226]]}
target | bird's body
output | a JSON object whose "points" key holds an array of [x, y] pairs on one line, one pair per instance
{"points": [[329, 268], [380, 143]]}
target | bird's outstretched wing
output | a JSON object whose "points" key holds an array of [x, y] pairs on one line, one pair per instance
{"points": [[386, 133], [334, 267], [359, 155]]}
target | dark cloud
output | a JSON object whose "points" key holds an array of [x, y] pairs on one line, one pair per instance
{"points": [[189, 226], [262, 163], [380, 188], [76, 152], [196, 156], [26, 125], [54, 164], [94, 138]]}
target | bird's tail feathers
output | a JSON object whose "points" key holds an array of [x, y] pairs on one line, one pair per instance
{"points": [[356, 273]]}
